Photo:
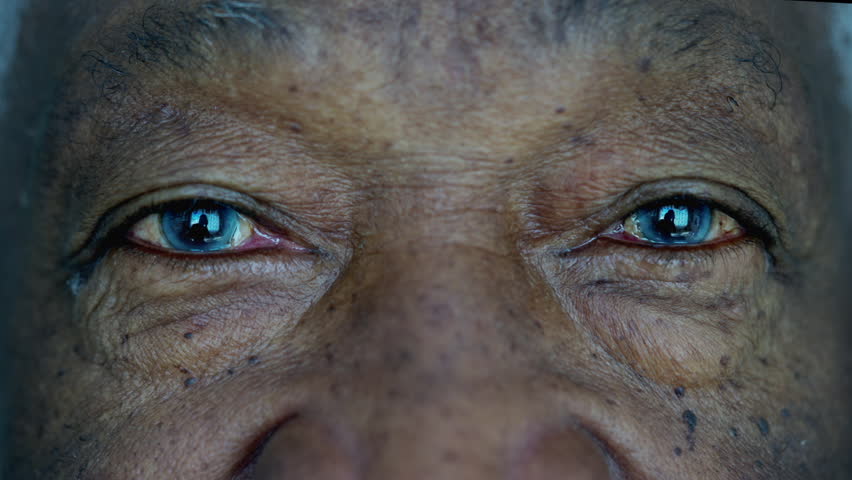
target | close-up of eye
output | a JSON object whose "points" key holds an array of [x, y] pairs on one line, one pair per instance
{"points": [[677, 222], [199, 226]]}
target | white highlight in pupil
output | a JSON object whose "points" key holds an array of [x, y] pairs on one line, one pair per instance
{"points": [[212, 220], [681, 216]]}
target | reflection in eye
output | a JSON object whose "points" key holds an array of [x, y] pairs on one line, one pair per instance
{"points": [[679, 222], [198, 226]]}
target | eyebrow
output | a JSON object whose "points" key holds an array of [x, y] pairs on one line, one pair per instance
{"points": [[191, 41], [189, 38], [159, 38]]}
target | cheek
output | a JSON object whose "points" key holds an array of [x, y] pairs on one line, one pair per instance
{"points": [[146, 319], [679, 323]]}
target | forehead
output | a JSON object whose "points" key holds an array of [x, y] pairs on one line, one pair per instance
{"points": [[407, 69]]}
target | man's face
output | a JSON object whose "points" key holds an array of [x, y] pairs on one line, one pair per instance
{"points": [[421, 240]]}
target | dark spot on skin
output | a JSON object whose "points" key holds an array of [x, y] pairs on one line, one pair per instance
{"points": [[83, 438], [295, 127], [230, 371], [690, 419], [584, 140], [679, 392], [734, 432], [293, 89], [644, 65], [60, 373], [253, 360], [125, 338], [450, 456], [509, 161], [329, 358], [334, 389], [560, 110], [763, 426], [595, 356], [187, 335], [331, 308], [763, 361], [611, 401], [190, 382], [785, 413], [677, 451], [724, 360]]}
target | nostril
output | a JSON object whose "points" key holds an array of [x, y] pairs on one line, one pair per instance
{"points": [[245, 469], [302, 448], [561, 454]]}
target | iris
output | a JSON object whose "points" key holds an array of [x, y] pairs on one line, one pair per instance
{"points": [[199, 226], [675, 223]]}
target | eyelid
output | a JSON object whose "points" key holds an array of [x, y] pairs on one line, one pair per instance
{"points": [[752, 216], [111, 228]]}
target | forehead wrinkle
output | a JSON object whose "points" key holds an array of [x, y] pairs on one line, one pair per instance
{"points": [[165, 41]]}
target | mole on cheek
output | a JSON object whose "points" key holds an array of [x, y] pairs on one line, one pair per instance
{"points": [[691, 420], [763, 426]]}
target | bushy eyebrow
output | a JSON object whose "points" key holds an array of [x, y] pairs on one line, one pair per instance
{"points": [[173, 41], [191, 37], [173, 38]]}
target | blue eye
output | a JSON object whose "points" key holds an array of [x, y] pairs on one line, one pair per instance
{"points": [[684, 223], [199, 226]]}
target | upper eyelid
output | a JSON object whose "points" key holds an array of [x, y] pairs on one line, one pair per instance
{"points": [[122, 217]]}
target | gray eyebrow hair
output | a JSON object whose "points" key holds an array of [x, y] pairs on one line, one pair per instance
{"points": [[250, 12], [160, 38]]}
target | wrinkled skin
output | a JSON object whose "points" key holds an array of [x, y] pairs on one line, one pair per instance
{"points": [[444, 305]]}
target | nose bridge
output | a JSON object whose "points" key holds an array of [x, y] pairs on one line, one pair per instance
{"points": [[449, 310]]}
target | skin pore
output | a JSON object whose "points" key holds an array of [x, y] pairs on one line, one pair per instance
{"points": [[442, 291]]}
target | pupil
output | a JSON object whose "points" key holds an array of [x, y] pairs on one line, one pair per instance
{"points": [[666, 226], [199, 226], [675, 223], [198, 232]]}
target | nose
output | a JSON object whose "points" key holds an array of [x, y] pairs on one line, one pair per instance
{"points": [[443, 380]]}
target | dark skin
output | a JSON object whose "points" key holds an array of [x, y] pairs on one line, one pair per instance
{"points": [[433, 283]]}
